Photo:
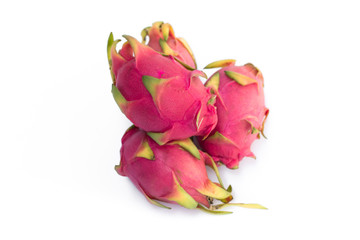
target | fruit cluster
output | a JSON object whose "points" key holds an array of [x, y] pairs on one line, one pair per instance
{"points": [[180, 124]]}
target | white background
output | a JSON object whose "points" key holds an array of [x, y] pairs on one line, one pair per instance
{"points": [[60, 128]]}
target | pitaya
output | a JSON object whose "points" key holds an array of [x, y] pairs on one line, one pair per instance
{"points": [[174, 172], [241, 112], [162, 39], [158, 94]]}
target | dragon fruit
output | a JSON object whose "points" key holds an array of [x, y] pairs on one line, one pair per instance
{"points": [[159, 93], [241, 112], [156, 85], [162, 39], [174, 172]]}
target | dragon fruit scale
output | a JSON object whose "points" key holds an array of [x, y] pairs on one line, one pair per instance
{"points": [[162, 39], [174, 172], [241, 112], [158, 92]]}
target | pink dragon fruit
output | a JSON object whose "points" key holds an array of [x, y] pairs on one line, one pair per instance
{"points": [[162, 39], [174, 172], [158, 94], [241, 112]]}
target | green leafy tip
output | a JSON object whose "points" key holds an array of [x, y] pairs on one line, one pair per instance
{"points": [[188, 146], [214, 82], [240, 78], [109, 45], [119, 98], [221, 63], [244, 205]]}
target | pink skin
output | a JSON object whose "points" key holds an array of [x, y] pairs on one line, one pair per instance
{"points": [[239, 108], [178, 100], [155, 35], [155, 177]]}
